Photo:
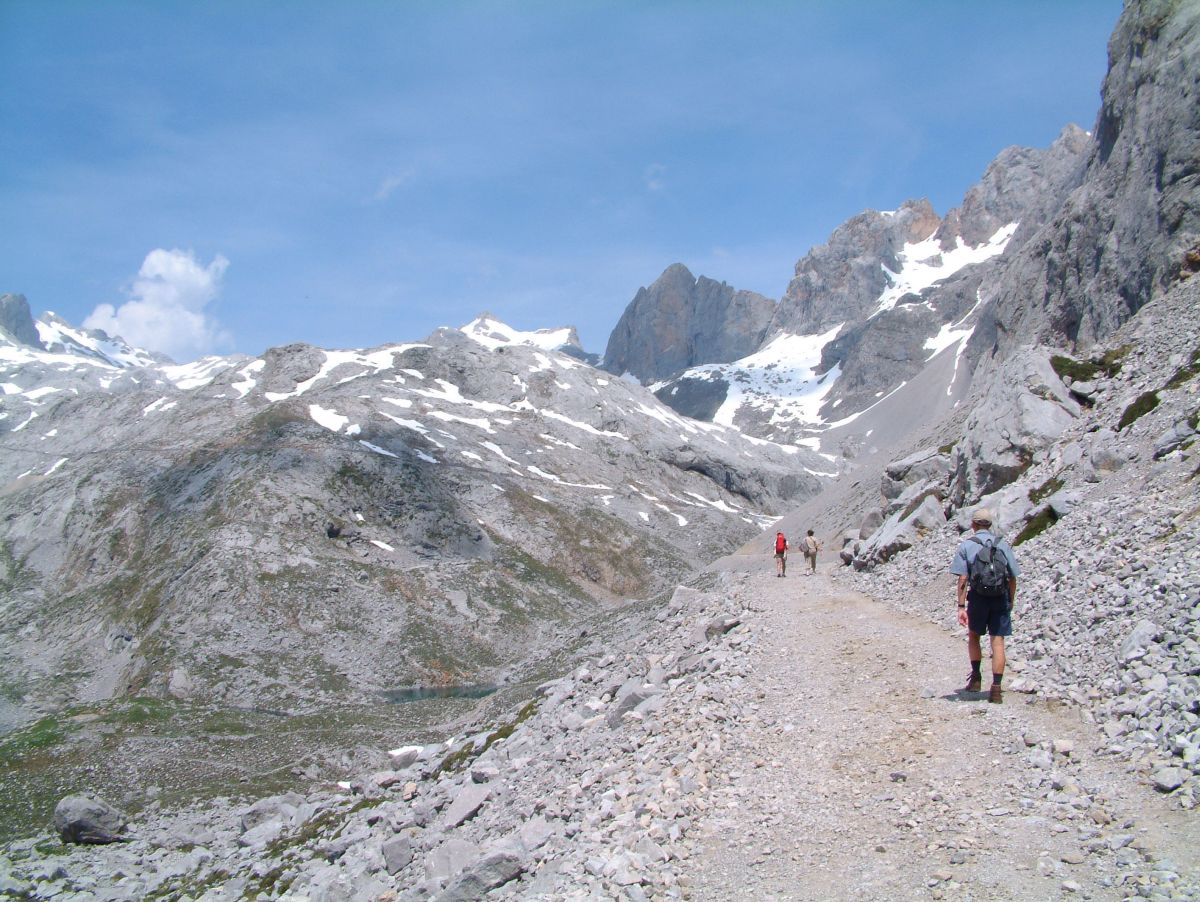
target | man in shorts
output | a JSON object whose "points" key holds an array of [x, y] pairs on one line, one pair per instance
{"points": [[781, 550], [991, 615]]}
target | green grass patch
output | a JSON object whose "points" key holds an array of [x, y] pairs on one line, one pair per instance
{"points": [[947, 449], [1107, 364], [140, 710], [457, 760], [1078, 370], [1045, 490], [1142, 405], [1186, 372], [34, 739], [1036, 525]]}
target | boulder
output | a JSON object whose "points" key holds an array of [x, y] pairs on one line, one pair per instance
{"points": [[89, 820], [1174, 438], [468, 801], [1011, 506], [1062, 503], [494, 869], [900, 532], [1028, 408], [630, 698], [1138, 642], [871, 522], [289, 809], [450, 858], [1169, 779], [397, 854], [926, 467]]}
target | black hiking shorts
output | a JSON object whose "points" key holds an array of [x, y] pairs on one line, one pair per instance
{"points": [[989, 615]]}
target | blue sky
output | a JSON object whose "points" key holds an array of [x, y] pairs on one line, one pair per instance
{"points": [[357, 173]]}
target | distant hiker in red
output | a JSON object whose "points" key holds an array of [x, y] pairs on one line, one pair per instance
{"points": [[781, 550], [811, 547]]}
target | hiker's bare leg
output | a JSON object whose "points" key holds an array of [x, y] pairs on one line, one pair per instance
{"points": [[997, 654], [974, 652]]}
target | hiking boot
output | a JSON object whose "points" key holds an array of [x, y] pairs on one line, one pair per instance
{"points": [[974, 682], [996, 695]]}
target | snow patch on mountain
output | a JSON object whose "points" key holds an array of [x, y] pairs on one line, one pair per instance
{"points": [[781, 378], [59, 337], [371, 362], [491, 333], [197, 374], [924, 263]]}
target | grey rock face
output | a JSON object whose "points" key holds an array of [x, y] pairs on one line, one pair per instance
{"points": [[1025, 410], [841, 280], [1023, 185], [901, 531], [852, 280], [397, 853], [681, 321], [1139, 640], [86, 820], [1122, 235], [17, 322], [698, 398], [877, 355]]}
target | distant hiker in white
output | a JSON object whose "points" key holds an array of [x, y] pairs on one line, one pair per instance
{"points": [[811, 547], [781, 550], [987, 574]]}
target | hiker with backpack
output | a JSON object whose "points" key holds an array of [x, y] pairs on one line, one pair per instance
{"points": [[811, 547], [781, 550], [987, 574]]}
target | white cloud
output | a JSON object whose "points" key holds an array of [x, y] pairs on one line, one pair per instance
{"points": [[165, 311], [393, 183]]}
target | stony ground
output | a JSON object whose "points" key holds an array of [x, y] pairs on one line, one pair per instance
{"points": [[862, 772], [761, 739]]}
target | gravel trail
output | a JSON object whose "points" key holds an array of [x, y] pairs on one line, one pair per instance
{"points": [[862, 772]]}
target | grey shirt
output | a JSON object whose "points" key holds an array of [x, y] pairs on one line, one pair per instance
{"points": [[967, 549]]}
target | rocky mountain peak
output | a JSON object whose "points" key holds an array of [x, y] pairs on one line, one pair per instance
{"points": [[1023, 184], [60, 337], [16, 322], [681, 321], [489, 330]]}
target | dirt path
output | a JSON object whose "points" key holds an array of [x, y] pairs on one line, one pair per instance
{"points": [[863, 773]]}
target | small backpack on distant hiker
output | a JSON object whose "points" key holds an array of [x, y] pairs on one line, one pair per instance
{"points": [[780, 544], [988, 573]]}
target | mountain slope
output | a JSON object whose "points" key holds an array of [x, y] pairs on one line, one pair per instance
{"points": [[312, 525]]}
